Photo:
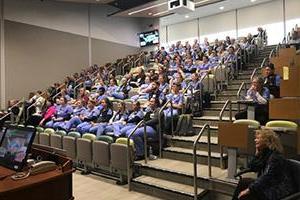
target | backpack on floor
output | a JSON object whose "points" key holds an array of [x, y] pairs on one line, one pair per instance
{"points": [[184, 125]]}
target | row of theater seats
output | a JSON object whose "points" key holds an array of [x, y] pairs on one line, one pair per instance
{"points": [[88, 151]]}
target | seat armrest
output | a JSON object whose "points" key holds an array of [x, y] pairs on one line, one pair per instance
{"points": [[244, 171]]}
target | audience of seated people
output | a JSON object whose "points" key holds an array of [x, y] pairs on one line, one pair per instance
{"points": [[89, 108]]}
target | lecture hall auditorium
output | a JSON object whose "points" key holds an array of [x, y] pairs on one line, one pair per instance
{"points": [[150, 99]]}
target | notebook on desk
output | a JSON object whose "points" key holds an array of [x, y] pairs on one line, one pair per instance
{"points": [[15, 146]]}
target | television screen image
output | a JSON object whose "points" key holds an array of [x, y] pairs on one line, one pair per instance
{"points": [[149, 38], [15, 145]]}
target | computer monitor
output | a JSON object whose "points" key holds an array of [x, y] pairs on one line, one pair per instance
{"points": [[15, 146]]}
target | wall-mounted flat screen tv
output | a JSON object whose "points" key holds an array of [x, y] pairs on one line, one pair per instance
{"points": [[149, 38]]}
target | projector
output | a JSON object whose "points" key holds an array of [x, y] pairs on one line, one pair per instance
{"points": [[181, 6]]}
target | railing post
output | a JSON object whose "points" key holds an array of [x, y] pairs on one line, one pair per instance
{"points": [[145, 143], [209, 153], [195, 158]]}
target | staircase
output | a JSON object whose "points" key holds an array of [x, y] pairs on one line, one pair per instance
{"points": [[171, 177]]}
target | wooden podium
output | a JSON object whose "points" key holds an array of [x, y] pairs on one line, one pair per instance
{"points": [[234, 137], [56, 184]]}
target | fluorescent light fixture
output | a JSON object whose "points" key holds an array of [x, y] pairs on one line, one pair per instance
{"points": [[147, 8], [159, 13], [221, 8], [253, 0], [186, 16]]}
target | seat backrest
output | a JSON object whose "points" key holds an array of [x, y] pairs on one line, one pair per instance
{"points": [[294, 167], [209, 83], [123, 140], [105, 138], [84, 150], [37, 138], [220, 73], [69, 144], [101, 153], [74, 134], [118, 155], [251, 123], [61, 133], [89, 136], [39, 129], [44, 139], [49, 130], [282, 124], [56, 141]]}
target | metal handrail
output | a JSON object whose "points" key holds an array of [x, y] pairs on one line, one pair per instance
{"points": [[277, 49], [228, 102], [195, 157], [238, 94], [128, 150], [54, 97], [237, 63], [75, 88], [185, 91], [257, 68], [160, 125], [27, 111], [271, 53], [4, 116]]}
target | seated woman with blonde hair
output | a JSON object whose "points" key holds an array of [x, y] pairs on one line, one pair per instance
{"points": [[274, 178]]}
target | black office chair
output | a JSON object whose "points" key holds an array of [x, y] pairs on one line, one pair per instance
{"points": [[294, 167]]}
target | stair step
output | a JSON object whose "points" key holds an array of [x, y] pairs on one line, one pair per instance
{"points": [[177, 171], [229, 92], [188, 141], [216, 112], [220, 104], [183, 154], [211, 120], [225, 97], [165, 189]]}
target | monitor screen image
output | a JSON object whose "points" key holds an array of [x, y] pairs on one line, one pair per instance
{"points": [[15, 145], [149, 38]]}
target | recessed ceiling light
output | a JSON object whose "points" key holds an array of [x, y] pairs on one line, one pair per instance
{"points": [[253, 0], [186, 16], [221, 8]]}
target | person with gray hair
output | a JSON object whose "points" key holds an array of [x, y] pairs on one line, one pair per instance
{"points": [[260, 95]]}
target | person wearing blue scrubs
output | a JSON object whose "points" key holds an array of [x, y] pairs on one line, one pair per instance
{"points": [[135, 116], [151, 121], [90, 114], [105, 115], [63, 112], [177, 104], [122, 90], [118, 120]]}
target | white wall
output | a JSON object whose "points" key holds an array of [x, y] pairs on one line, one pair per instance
{"points": [[66, 17], [268, 15], [293, 14], [234, 23], [73, 18], [187, 31], [217, 26], [115, 29]]}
